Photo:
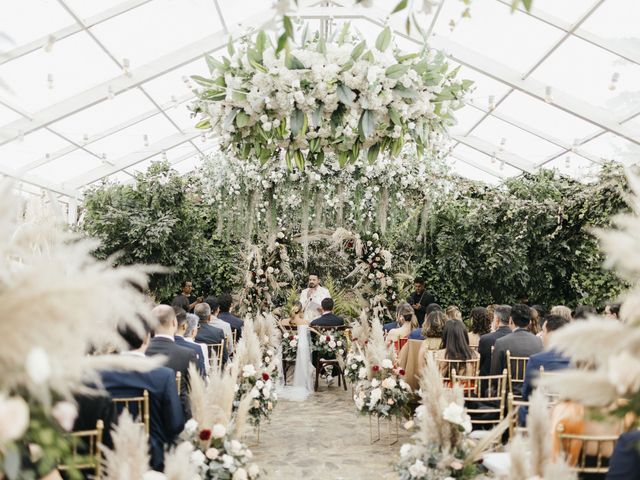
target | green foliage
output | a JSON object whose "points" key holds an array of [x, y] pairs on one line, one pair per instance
{"points": [[160, 220]]}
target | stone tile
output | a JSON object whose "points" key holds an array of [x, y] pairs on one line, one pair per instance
{"points": [[324, 438]]}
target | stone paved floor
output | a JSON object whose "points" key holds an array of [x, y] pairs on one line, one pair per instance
{"points": [[323, 438]]}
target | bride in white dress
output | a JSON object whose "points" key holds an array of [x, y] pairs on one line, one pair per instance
{"points": [[304, 371]]}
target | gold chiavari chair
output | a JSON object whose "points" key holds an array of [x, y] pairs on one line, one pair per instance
{"points": [[512, 410], [178, 381], [140, 409], [552, 397], [88, 440], [446, 367], [516, 368], [216, 351], [587, 453], [489, 405], [235, 337]]}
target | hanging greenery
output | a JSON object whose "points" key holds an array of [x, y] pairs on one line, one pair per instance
{"points": [[325, 96]]}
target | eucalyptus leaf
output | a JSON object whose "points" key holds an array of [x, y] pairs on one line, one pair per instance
{"points": [[231, 116], [282, 43], [394, 116], [406, 92], [384, 39], [343, 33], [205, 82], [372, 154], [396, 71], [230, 48], [297, 122], [258, 66], [367, 124], [345, 94], [214, 64], [401, 5], [322, 46], [261, 42], [239, 95], [293, 63], [204, 124], [358, 49], [288, 27], [242, 119]]}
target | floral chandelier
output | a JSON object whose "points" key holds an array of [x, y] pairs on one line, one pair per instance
{"points": [[324, 96]]}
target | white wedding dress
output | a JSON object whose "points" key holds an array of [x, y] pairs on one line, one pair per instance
{"points": [[304, 371]]}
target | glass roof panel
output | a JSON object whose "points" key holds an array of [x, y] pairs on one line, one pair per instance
{"points": [[567, 10], [576, 167], [103, 116], [35, 145], [181, 115], [617, 21], [486, 161], [28, 76], [516, 40], [67, 166], [515, 140], [173, 84], [88, 8], [587, 71], [20, 23], [540, 115], [483, 87], [466, 117], [6, 116], [189, 164], [612, 147], [167, 26], [235, 12], [131, 139], [468, 171]]}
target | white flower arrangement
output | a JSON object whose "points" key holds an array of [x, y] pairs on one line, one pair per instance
{"points": [[260, 387], [386, 394], [355, 366], [289, 345], [330, 344], [327, 96]]}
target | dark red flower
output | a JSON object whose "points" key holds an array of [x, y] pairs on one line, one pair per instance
{"points": [[328, 338], [291, 337], [205, 434], [401, 371], [265, 376], [375, 368]]}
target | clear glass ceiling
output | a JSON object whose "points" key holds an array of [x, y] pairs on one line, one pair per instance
{"points": [[97, 89]]}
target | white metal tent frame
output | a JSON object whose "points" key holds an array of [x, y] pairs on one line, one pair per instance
{"points": [[308, 10]]}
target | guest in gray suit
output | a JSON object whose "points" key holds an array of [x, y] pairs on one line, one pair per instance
{"points": [[519, 342]]}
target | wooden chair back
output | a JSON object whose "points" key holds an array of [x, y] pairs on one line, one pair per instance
{"points": [[512, 410], [216, 351], [446, 367], [516, 368], [89, 440], [594, 451], [138, 407], [489, 404]]}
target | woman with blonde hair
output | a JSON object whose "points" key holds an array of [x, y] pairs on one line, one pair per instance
{"points": [[407, 321], [432, 329], [296, 317], [562, 311], [453, 313]]}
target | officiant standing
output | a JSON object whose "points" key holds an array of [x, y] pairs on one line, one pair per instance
{"points": [[420, 299], [311, 298]]}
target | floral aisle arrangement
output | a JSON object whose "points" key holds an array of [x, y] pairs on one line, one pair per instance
{"points": [[41, 364], [253, 377], [215, 430], [269, 336], [356, 369], [441, 448], [383, 392], [289, 345], [335, 95], [330, 344]]}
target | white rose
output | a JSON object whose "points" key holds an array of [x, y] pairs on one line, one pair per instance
{"points": [[359, 403], [418, 469], [354, 366], [389, 383], [386, 363], [362, 373], [153, 475], [198, 458], [191, 427], [254, 393], [212, 453], [260, 384], [248, 371], [227, 461], [375, 382], [405, 450], [339, 343], [266, 359], [253, 470], [65, 414], [218, 431], [240, 474], [14, 419], [235, 447], [270, 270], [38, 366], [455, 414], [332, 344], [376, 395]]}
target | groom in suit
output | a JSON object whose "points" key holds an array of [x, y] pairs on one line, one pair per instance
{"points": [[327, 319]]}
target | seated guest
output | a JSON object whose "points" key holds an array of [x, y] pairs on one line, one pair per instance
{"points": [[480, 325], [190, 336], [499, 329], [534, 324], [432, 331], [389, 326], [178, 358], [94, 407], [612, 311], [561, 310], [225, 301], [406, 320], [209, 334], [582, 312], [625, 461], [548, 359], [165, 410], [519, 342], [420, 333], [455, 343], [327, 319], [214, 321], [181, 317], [453, 313], [420, 299]]}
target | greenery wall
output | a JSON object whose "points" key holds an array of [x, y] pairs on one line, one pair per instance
{"points": [[485, 244]]}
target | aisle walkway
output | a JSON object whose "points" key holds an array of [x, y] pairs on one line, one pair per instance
{"points": [[323, 438]]}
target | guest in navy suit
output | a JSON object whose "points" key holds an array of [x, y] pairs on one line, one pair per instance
{"points": [[181, 316], [225, 300], [548, 359], [163, 343], [327, 319], [209, 334], [165, 409], [625, 461]]}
